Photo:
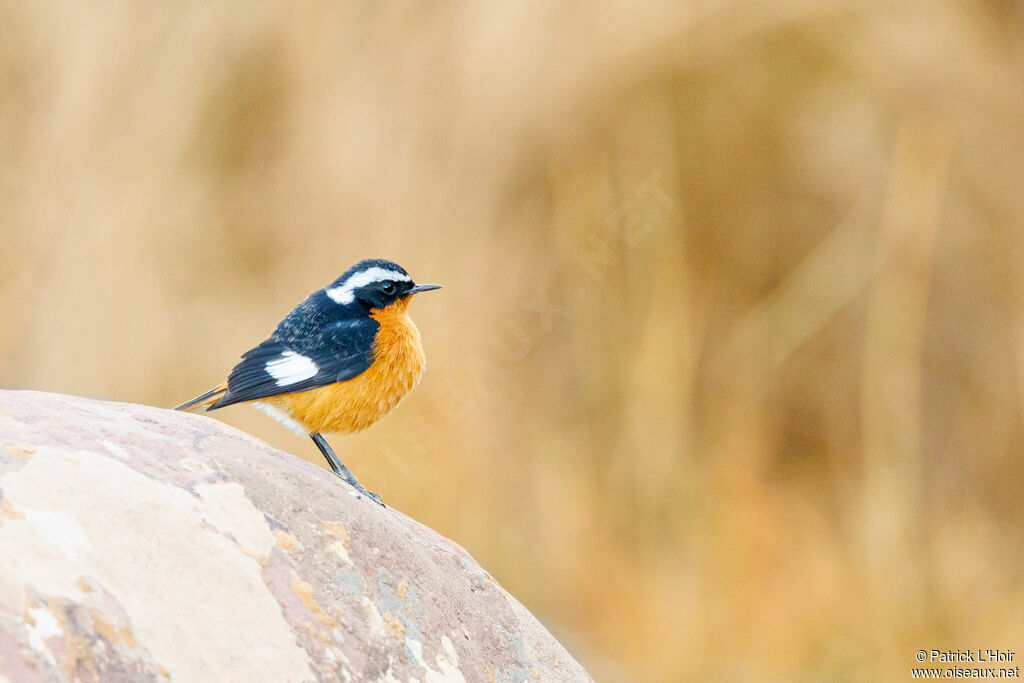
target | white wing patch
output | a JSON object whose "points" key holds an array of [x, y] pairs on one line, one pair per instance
{"points": [[290, 368], [345, 292]]}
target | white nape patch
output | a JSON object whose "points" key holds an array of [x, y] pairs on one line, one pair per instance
{"points": [[345, 292], [290, 368], [281, 417]]}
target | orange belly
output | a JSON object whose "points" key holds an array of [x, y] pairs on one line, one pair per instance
{"points": [[355, 404]]}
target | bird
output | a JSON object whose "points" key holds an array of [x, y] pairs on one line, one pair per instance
{"points": [[338, 362]]}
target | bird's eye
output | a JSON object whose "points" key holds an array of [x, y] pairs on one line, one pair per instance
{"points": [[388, 287]]}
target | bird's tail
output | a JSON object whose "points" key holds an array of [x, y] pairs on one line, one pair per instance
{"points": [[204, 400]]}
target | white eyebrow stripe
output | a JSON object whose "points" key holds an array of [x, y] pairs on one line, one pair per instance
{"points": [[345, 292], [290, 368]]}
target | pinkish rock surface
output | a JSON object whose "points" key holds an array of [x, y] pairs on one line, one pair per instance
{"points": [[142, 544]]}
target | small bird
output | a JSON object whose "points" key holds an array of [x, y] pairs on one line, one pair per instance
{"points": [[340, 361]]}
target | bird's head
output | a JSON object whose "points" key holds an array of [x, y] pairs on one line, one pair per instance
{"points": [[375, 283]]}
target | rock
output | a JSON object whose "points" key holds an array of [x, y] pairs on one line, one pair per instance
{"points": [[142, 544]]}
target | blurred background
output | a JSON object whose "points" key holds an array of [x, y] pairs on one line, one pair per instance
{"points": [[726, 378]]}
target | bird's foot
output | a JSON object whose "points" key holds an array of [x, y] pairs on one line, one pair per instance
{"points": [[339, 469], [360, 491]]}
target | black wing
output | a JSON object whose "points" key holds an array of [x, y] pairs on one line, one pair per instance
{"points": [[343, 350]]}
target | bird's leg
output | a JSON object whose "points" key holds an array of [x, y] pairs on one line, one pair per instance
{"points": [[339, 467]]}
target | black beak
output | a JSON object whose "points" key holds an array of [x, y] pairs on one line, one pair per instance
{"points": [[422, 288]]}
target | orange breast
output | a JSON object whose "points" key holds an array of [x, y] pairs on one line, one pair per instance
{"points": [[356, 404]]}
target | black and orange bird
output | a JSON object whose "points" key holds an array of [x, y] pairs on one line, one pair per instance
{"points": [[340, 361]]}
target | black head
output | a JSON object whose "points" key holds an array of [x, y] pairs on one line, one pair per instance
{"points": [[375, 283]]}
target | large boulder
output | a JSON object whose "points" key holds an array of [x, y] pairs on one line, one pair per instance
{"points": [[138, 543]]}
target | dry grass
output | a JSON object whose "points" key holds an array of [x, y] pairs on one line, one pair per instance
{"points": [[726, 378]]}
